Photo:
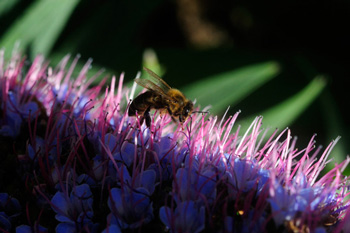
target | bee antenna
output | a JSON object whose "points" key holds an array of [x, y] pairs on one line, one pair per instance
{"points": [[207, 112]]}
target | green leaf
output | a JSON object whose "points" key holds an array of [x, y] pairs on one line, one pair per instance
{"points": [[150, 61], [283, 114], [6, 5], [335, 127], [39, 27], [226, 89]]}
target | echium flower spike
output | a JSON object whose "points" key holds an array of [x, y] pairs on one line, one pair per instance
{"points": [[83, 160]]}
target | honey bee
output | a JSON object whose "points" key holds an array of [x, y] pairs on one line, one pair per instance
{"points": [[160, 96]]}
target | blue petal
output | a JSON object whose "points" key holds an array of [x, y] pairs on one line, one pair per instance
{"points": [[111, 141], [10, 205], [61, 207], [127, 155], [112, 229], [23, 229], [189, 217], [140, 202], [148, 180], [65, 228], [166, 143], [31, 152], [206, 185], [4, 221], [320, 230], [85, 217], [301, 203], [13, 126], [183, 178], [187, 211], [133, 207], [63, 218], [3, 199], [115, 199], [42, 229], [164, 215], [200, 221], [263, 176], [81, 198], [85, 179], [82, 191], [126, 175], [97, 167], [31, 108], [229, 221]]}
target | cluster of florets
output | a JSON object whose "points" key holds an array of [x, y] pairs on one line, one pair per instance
{"points": [[72, 160]]}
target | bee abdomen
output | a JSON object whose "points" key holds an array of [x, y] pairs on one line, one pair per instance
{"points": [[140, 104]]}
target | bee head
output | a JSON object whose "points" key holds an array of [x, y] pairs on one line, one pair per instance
{"points": [[187, 110]]}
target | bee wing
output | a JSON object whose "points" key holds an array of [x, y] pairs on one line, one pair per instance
{"points": [[158, 80], [148, 84]]}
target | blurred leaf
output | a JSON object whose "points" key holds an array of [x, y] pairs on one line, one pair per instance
{"points": [[110, 33], [39, 26], [334, 123], [150, 61], [6, 5], [283, 114], [228, 88], [335, 127]]}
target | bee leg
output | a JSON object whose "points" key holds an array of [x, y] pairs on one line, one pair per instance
{"points": [[171, 114], [142, 119], [147, 117]]}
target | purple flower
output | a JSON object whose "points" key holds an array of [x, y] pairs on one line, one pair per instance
{"points": [[245, 225], [297, 201], [28, 229], [42, 148], [9, 210], [131, 205], [192, 184], [74, 211], [243, 176], [123, 154], [97, 169], [16, 113], [112, 229], [186, 217]]}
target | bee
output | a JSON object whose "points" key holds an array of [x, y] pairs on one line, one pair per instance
{"points": [[160, 96]]}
